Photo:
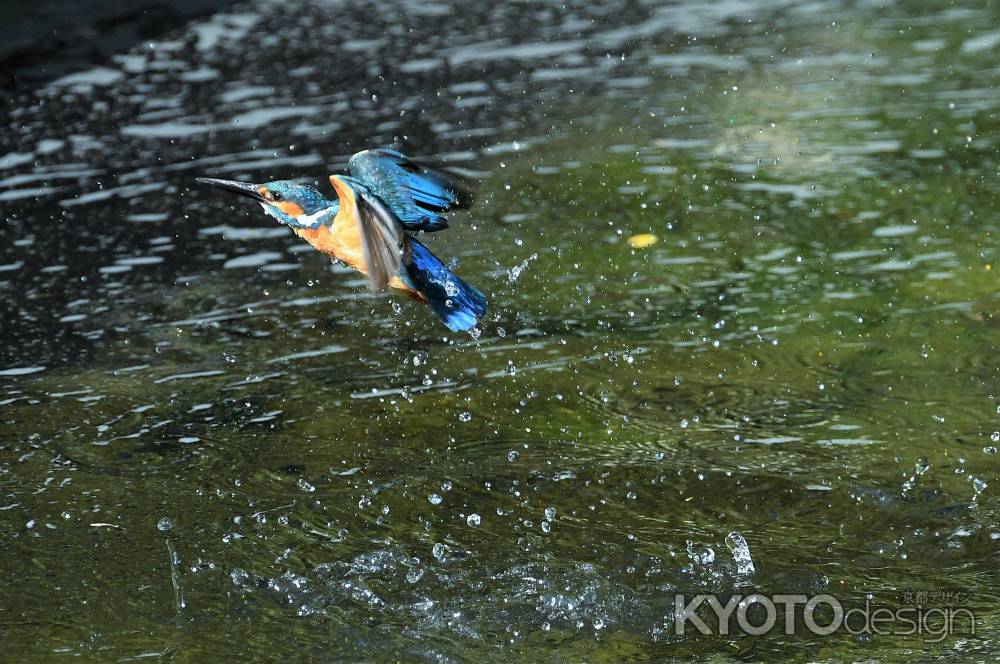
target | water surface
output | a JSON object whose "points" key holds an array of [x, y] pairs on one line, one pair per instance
{"points": [[217, 444]]}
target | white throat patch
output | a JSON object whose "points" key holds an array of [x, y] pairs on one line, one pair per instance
{"points": [[314, 219], [305, 220], [270, 211]]}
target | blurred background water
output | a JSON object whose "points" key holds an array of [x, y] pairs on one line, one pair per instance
{"points": [[215, 444]]}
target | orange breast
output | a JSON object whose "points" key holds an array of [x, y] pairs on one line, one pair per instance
{"points": [[342, 240]]}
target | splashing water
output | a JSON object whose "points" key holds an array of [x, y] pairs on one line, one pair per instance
{"points": [[514, 273], [804, 355], [741, 553]]}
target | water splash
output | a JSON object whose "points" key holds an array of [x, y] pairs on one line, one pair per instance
{"points": [[514, 273], [741, 553]]}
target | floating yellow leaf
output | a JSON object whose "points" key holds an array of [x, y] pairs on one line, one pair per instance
{"points": [[642, 240]]}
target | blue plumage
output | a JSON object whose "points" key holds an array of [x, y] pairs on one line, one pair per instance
{"points": [[429, 188], [458, 304], [305, 196], [415, 193]]}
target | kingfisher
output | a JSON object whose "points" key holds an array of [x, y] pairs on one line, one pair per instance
{"points": [[386, 197]]}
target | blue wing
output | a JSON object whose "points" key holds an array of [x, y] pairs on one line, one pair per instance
{"points": [[416, 194]]}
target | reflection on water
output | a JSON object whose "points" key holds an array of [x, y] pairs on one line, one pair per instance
{"points": [[791, 390]]}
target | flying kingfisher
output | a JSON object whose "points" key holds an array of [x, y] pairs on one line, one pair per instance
{"points": [[385, 196]]}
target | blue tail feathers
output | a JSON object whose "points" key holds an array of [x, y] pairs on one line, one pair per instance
{"points": [[458, 304]]}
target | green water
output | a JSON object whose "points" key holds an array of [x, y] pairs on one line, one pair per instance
{"points": [[216, 462]]}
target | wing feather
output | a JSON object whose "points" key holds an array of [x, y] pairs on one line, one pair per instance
{"points": [[381, 240], [416, 193]]}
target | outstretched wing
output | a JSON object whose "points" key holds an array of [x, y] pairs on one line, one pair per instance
{"points": [[415, 193], [381, 241], [380, 233]]}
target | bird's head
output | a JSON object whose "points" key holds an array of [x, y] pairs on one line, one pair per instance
{"points": [[292, 203]]}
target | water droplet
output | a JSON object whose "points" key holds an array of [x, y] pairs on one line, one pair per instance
{"points": [[164, 524], [741, 553], [464, 416], [434, 499], [550, 513], [474, 520], [702, 556]]}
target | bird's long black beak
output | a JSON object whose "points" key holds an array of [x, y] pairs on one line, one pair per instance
{"points": [[241, 188]]}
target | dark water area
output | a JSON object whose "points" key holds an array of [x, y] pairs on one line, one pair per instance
{"points": [[743, 339], [43, 40]]}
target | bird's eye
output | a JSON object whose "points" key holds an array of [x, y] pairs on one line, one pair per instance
{"points": [[276, 196]]}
